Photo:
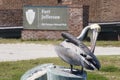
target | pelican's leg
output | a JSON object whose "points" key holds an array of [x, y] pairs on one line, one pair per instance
{"points": [[82, 70], [71, 66]]}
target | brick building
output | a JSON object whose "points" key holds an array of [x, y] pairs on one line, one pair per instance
{"points": [[99, 11], [11, 11]]}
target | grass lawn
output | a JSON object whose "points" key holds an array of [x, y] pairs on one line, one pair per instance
{"points": [[99, 43], [14, 70]]}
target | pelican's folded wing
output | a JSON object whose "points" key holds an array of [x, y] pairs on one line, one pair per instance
{"points": [[68, 55], [90, 56]]}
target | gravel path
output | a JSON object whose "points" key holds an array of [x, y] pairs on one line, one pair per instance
{"points": [[13, 52]]}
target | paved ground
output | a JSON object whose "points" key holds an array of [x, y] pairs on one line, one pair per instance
{"points": [[13, 52]]}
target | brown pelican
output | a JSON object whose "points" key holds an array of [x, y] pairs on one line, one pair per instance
{"points": [[73, 51]]}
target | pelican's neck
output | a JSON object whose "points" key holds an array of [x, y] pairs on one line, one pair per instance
{"points": [[82, 35]]}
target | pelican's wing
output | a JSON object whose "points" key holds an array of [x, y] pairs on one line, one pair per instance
{"points": [[89, 56], [68, 55]]}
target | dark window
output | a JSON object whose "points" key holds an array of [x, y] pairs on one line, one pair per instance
{"points": [[59, 1]]}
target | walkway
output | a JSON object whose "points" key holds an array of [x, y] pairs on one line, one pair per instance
{"points": [[13, 52]]}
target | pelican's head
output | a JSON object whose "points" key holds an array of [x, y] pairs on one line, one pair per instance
{"points": [[95, 27]]}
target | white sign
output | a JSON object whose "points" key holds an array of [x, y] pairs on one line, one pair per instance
{"points": [[30, 16]]}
